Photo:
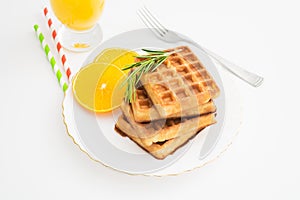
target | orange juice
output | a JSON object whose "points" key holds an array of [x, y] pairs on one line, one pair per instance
{"points": [[78, 15]]}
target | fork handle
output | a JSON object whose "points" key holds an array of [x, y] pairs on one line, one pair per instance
{"points": [[249, 77]]}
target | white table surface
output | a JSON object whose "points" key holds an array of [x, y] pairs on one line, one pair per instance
{"points": [[39, 161]]}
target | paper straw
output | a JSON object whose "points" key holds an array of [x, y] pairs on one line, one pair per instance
{"points": [[59, 48], [50, 57]]}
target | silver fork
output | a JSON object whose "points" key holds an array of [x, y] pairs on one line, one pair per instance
{"points": [[162, 33]]}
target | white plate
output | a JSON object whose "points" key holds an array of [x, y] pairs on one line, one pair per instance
{"points": [[95, 134]]}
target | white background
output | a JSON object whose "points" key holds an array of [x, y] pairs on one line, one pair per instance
{"points": [[39, 161]]}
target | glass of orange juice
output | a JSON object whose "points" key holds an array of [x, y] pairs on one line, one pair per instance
{"points": [[80, 31]]}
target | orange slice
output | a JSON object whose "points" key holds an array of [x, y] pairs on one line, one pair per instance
{"points": [[97, 87], [117, 57]]}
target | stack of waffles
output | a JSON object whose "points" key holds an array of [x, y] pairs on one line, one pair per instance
{"points": [[173, 104]]}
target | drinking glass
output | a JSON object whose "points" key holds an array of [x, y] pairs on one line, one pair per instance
{"points": [[80, 31]]}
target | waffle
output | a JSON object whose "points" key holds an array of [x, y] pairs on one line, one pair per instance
{"points": [[144, 110], [173, 104], [161, 130], [179, 84], [187, 58], [159, 150]]}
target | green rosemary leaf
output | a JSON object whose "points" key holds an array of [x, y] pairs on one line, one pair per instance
{"points": [[159, 62], [131, 66], [153, 51], [150, 62], [141, 72], [149, 56], [126, 81], [149, 66]]}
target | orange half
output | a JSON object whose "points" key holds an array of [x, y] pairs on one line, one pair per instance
{"points": [[97, 87], [116, 56]]}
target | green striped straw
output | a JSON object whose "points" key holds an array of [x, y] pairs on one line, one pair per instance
{"points": [[51, 59]]}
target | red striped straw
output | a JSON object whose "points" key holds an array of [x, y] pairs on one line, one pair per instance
{"points": [[59, 48]]}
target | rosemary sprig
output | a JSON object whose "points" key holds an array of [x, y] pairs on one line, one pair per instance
{"points": [[150, 63]]}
